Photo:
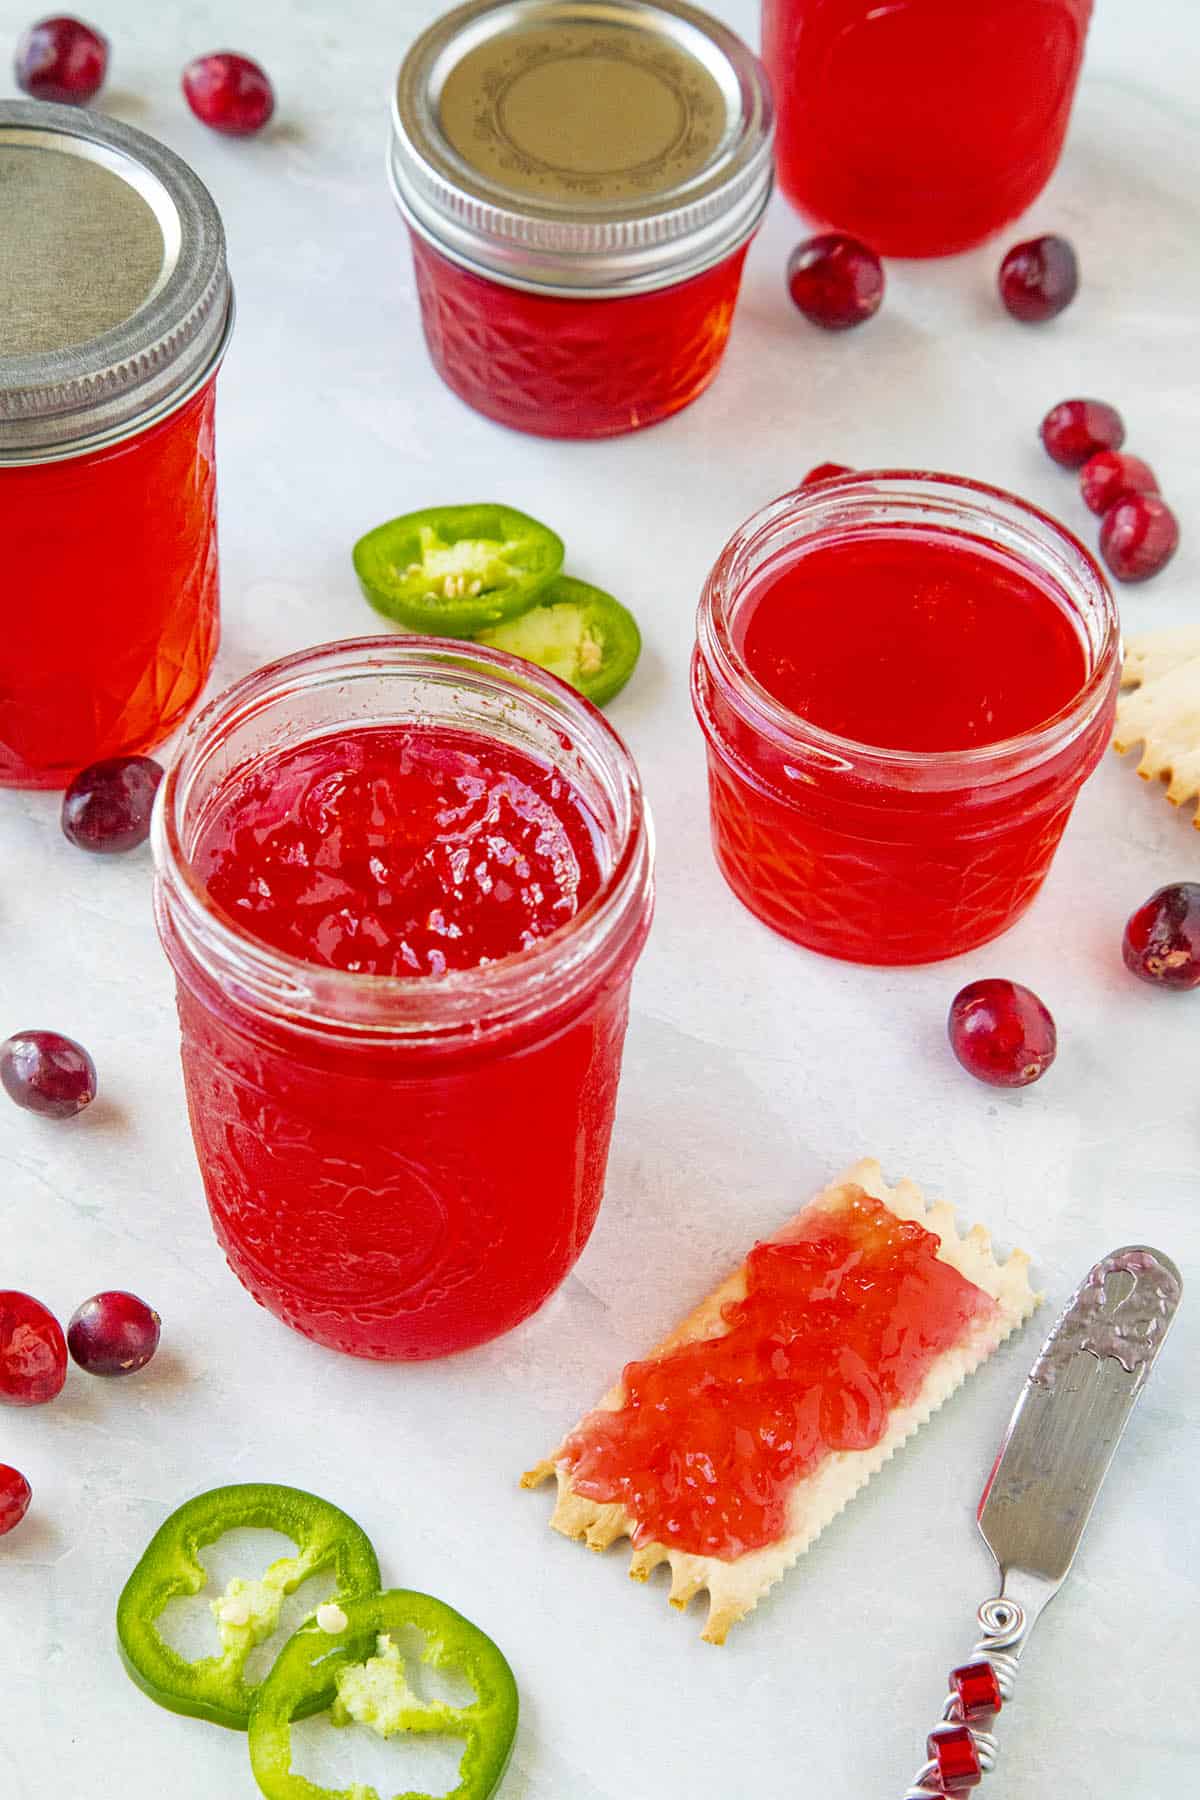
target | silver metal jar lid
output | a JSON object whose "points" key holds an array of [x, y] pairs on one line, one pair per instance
{"points": [[115, 302], [582, 146]]}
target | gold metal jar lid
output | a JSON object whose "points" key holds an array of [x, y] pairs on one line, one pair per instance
{"points": [[115, 302], [582, 146]]}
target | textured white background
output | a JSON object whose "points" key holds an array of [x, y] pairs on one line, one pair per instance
{"points": [[753, 1071]]}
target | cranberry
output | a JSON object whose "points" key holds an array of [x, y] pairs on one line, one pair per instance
{"points": [[1139, 537], [1001, 1033], [1039, 279], [33, 1351], [825, 472], [1162, 939], [47, 1073], [113, 1334], [1110, 476], [1075, 430], [835, 281], [108, 805], [15, 1495], [229, 92], [61, 59]]}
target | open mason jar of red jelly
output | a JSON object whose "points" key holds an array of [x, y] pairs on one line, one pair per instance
{"points": [[922, 126], [115, 311], [581, 180], [403, 884], [903, 680]]}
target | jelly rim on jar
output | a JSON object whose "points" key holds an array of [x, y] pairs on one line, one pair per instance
{"points": [[428, 1010], [81, 396], [914, 499], [584, 231]]}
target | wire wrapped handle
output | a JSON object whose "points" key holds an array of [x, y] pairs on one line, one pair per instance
{"points": [[962, 1749]]}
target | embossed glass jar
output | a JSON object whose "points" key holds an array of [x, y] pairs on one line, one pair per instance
{"points": [[893, 856], [921, 126], [115, 311], [401, 1168], [581, 180]]}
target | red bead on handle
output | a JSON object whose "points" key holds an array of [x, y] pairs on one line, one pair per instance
{"points": [[953, 1749], [977, 1688]]}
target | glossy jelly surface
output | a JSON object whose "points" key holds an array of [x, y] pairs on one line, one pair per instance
{"points": [[917, 126], [843, 1317], [110, 578], [574, 368], [387, 1199], [919, 650], [913, 641], [400, 850]]}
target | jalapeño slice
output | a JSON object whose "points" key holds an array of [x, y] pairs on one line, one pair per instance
{"points": [[452, 570], [578, 633], [215, 1687], [358, 1673]]}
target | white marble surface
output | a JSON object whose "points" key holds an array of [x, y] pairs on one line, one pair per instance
{"points": [[754, 1071]]}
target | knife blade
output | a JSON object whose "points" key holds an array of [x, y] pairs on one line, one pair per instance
{"points": [[1071, 1414], [1057, 1450]]}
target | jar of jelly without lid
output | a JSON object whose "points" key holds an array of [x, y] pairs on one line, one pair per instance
{"points": [[894, 856], [922, 126], [581, 181], [115, 311], [401, 1167]]}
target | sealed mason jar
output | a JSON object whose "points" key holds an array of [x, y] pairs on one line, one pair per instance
{"points": [[115, 311], [398, 1166], [901, 855], [922, 126], [581, 180]]}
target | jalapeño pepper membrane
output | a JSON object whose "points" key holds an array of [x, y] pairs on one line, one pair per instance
{"points": [[403, 884], [115, 310], [581, 180]]}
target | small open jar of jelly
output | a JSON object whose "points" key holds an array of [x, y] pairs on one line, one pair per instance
{"points": [[903, 680], [115, 310], [581, 180]]}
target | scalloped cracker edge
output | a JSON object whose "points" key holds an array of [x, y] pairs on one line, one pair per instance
{"points": [[1159, 708], [735, 1588]]}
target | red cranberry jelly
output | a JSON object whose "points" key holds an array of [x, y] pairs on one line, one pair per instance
{"points": [[403, 954], [917, 126], [841, 1322], [114, 556], [115, 309], [580, 188], [903, 683], [574, 368], [403, 850]]}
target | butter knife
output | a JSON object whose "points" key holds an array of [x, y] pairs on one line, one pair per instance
{"points": [[1036, 1503]]}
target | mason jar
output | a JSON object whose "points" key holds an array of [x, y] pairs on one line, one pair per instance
{"points": [[403, 1166], [115, 312]]}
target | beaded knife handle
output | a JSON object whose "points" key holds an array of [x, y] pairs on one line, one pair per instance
{"points": [[1060, 1441]]}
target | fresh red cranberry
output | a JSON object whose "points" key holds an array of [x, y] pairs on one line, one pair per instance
{"points": [[113, 1334], [825, 472], [107, 807], [47, 1073], [1162, 939], [1110, 476], [61, 59], [229, 92], [15, 1495], [1039, 279], [835, 281], [1075, 430], [1001, 1033], [33, 1351], [1138, 537]]}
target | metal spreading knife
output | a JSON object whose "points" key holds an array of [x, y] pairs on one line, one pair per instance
{"points": [[1063, 1435]]}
